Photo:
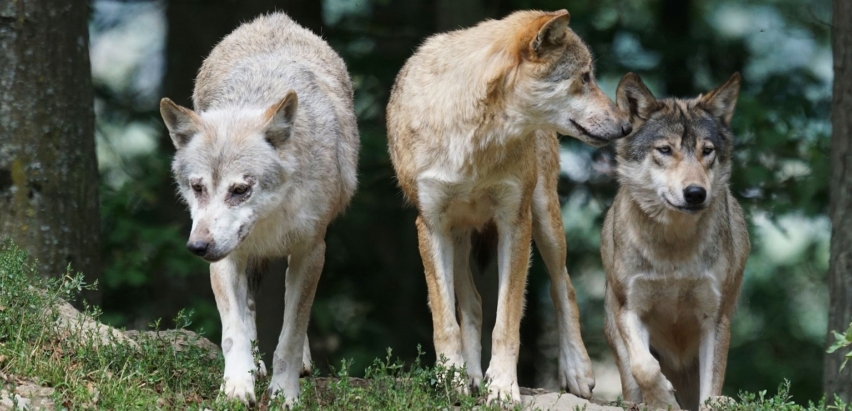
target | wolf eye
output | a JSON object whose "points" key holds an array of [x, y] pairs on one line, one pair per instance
{"points": [[587, 77], [664, 150], [707, 151], [240, 189], [197, 187]]}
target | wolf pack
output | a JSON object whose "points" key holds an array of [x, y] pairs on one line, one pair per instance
{"points": [[267, 158]]}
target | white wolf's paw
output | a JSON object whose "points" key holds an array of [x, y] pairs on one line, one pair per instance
{"points": [[240, 388], [279, 387], [718, 402], [260, 370], [502, 388], [575, 374]]}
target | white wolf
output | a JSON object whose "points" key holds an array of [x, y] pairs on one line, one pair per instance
{"points": [[265, 162]]}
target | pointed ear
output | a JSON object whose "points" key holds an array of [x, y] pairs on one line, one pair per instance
{"points": [[721, 101], [550, 32], [634, 98], [280, 119], [182, 122]]}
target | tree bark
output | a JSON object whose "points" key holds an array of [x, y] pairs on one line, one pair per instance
{"points": [[840, 202], [48, 168]]}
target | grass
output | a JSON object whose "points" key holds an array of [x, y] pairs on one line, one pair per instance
{"points": [[148, 373]]}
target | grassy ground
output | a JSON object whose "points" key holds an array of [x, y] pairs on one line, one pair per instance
{"points": [[149, 373]]}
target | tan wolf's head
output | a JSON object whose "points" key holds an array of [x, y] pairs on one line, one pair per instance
{"points": [[552, 79], [678, 157], [231, 169]]}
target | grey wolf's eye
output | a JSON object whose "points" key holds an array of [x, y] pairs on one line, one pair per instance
{"points": [[587, 77], [197, 188], [664, 150], [240, 189], [707, 151]]}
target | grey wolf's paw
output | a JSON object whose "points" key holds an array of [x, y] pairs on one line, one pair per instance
{"points": [[240, 388], [575, 375], [717, 402]]}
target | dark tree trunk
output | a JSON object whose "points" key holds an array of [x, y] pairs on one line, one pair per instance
{"points": [[840, 203], [48, 169], [675, 25]]}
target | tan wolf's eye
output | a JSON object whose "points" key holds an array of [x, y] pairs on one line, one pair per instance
{"points": [[707, 151], [587, 77], [240, 189], [664, 150]]}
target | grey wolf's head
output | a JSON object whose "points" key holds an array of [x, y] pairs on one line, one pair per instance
{"points": [[678, 157], [231, 168], [555, 82]]}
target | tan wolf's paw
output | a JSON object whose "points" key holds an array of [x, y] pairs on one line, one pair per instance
{"points": [[717, 402], [240, 388], [576, 376], [502, 389]]}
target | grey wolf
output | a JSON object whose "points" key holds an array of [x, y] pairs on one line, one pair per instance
{"points": [[265, 162], [674, 246], [472, 123]]}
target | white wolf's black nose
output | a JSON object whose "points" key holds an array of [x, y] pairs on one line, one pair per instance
{"points": [[198, 248], [694, 194]]}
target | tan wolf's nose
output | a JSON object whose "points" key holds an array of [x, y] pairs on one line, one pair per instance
{"points": [[198, 248]]}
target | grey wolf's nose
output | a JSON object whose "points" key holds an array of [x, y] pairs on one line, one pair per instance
{"points": [[626, 129], [198, 248], [694, 194]]}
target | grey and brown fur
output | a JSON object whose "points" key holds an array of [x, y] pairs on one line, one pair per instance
{"points": [[674, 246], [472, 123], [265, 162]]}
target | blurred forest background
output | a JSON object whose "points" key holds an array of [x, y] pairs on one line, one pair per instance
{"points": [[372, 293]]}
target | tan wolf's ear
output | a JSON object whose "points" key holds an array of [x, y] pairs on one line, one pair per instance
{"points": [[280, 119], [634, 98], [181, 122], [722, 100], [551, 32]]}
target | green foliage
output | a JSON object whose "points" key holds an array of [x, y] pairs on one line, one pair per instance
{"points": [[782, 401], [842, 341]]}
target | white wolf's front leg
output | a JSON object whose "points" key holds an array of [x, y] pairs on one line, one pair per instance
{"points": [[303, 273], [236, 310]]}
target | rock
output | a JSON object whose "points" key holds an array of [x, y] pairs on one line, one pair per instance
{"points": [[563, 402], [26, 396], [74, 322], [179, 339]]}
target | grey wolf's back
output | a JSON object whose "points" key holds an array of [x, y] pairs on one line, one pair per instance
{"points": [[258, 62]]}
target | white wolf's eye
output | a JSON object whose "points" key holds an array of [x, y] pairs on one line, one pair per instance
{"points": [[707, 151], [197, 187], [240, 189], [664, 149]]}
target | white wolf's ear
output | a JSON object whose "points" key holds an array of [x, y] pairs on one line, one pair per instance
{"points": [[722, 100], [551, 32], [280, 119], [181, 122], [634, 98]]}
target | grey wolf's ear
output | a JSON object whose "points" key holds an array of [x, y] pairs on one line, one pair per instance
{"points": [[181, 122], [634, 98], [551, 32], [280, 119], [721, 101]]}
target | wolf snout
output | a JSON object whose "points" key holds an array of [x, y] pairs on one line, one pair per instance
{"points": [[198, 247], [694, 195], [626, 129]]}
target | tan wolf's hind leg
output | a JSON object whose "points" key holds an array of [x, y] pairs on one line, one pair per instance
{"points": [[513, 264], [575, 367], [436, 251], [303, 272], [236, 310], [469, 307]]}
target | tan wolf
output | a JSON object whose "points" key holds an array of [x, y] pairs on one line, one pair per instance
{"points": [[472, 124], [674, 246], [265, 162]]}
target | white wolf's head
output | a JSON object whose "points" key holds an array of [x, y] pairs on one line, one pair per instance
{"points": [[231, 168]]}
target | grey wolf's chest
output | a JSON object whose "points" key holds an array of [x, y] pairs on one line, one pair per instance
{"points": [[676, 293]]}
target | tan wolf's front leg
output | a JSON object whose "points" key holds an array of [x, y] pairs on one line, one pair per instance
{"points": [[303, 272], [436, 251], [713, 360], [236, 309], [575, 367], [657, 391], [513, 263], [469, 307]]}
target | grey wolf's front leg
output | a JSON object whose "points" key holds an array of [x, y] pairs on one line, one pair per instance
{"points": [[513, 263], [713, 358], [303, 273], [236, 310], [657, 391]]}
